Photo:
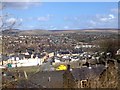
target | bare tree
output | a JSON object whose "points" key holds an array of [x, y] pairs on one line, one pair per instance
{"points": [[6, 23], [109, 46]]}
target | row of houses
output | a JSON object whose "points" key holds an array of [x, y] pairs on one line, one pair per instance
{"points": [[84, 77], [25, 59], [86, 45], [33, 59]]}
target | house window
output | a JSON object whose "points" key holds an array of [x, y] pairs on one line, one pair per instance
{"points": [[83, 83]]}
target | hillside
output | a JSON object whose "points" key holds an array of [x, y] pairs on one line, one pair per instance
{"points": [[42, 32]]}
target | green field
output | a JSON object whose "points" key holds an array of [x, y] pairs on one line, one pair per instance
{"points": [[29, 70]]}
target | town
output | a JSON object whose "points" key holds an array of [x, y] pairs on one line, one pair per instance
{"points": [[64, 59], [48, 44]]}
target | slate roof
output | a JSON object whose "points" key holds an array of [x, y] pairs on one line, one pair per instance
{"points": [[64, 52], [21, 56], [54, 79], [85, 72], [48, 79], [4, 57], [26, 84], [27, 56], [77, 51]]}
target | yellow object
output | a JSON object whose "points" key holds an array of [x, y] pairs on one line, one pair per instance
{"points": [[61, 67]]}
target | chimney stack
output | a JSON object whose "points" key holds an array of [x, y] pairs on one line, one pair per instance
{"points": [[68, 67], [106, 64]]}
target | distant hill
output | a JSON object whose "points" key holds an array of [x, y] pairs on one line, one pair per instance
{"points": [[34, 32], [42, 32], [11, 32], [24, 32]]}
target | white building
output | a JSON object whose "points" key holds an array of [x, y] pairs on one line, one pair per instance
{"points": [[118, 52]]}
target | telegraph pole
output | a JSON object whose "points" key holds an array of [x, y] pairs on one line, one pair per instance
{"points": [[2, 49]]}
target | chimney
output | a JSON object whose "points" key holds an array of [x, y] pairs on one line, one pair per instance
{"points": [[32, 55], [68, 67], [106, 64], [87, 64]]}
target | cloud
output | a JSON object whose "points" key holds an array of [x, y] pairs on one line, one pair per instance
{"points": [[92, 22], [11, 20], [78, 21], [103, 21], [27, 27], [115, 10], [72, 19], [1, 6], [44, 18], [21, 20], [51, 26], [21, 1], [30, 26], [111, 16], [66, 27], [54, 28], [108, 20], [14, 20], [20, 5], [104, 18]]}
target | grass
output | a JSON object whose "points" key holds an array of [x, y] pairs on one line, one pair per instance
{"points": [[11, 84], [29, 70]]}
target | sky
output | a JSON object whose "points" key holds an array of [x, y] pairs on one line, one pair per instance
{"points": [[62, 15]]}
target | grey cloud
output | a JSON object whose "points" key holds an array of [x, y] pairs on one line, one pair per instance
{"points": [[20, 5]]}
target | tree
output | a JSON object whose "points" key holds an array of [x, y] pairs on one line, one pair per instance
{"points": [[109, 46], [8, 21]]}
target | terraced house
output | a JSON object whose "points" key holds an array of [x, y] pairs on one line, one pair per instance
{"points": [[97, 76]]}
